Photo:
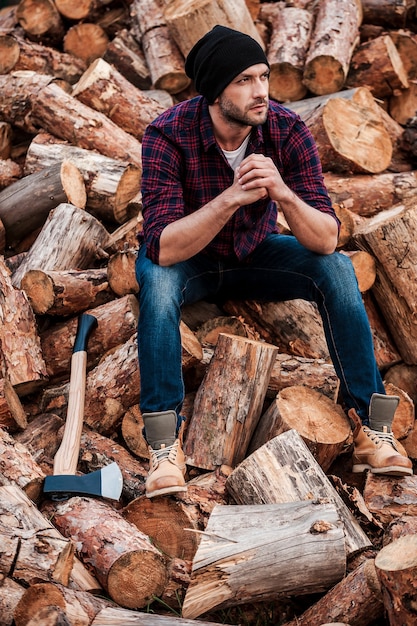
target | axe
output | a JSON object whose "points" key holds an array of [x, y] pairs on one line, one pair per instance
{"points": [[106, 482]]}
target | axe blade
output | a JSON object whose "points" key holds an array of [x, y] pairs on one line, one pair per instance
{"points": [[106, 482]]}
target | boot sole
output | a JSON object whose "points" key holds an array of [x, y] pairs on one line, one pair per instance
{"points": [[165, 491], [391, 470]]}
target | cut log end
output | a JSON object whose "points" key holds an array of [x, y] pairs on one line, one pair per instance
{"points": [[323, 75]]}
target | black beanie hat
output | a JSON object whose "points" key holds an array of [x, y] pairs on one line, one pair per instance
{"points": [[218, 57]]}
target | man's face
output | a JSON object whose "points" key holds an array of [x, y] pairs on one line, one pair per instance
{"points": [[244, 102]]}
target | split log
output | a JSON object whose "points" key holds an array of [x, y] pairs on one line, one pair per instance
{"points": [[294, 325], [69, 239], [21, 357], [41, 553], [126, 55], [229, 402], [40, 20], [188, 21], [367, 194], [168, 522], [317, 374], [59, 113], [208, 333], [66, 292], [98, 451], [115, 616], [76, 606], [26, 204], [357, 600], [129, 567], [86, 41], [390, 238], [388, 498], [117, 322], [287, 50], [403, 104], [104, 89], [396, 567], [377, 65], [10, 594], [10, 172], [350, 138], [110, 184], [125, 237], [18, 467], [192, 352], [132, 432], [272, 474], [321, 423], [17, 54], [236, 561], [121, 272], [12, 414], [364, 266], [334, 38]]}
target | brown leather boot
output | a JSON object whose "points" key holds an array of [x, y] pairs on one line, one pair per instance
{"points": [[167, 461], [375, 447]]}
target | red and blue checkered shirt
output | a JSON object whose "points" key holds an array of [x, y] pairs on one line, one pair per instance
{"points": [[184, 168]]}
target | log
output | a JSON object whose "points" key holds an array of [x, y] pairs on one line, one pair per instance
{"points": [[104, 89], [356, 599], [350, 138], [12, 414], [66, 292], [388, 498], [406, 44], [22, 360], [132, 432], [5, 138], [117, 322], [69, 239], [126, 55], [110, 184], [333, 40], [403, 376], [390, 238], [26, 204], [208, 333], [369, 194], [321, 423], [81, 10], [10, 594], [17, 54], [169, 523], [377, 65], [240, 547], [10, 172], [364, 266], [18, 467], [404, 418], [40, 20], [165, 61], [385, 350], [115, 616], [403, 105], [287, 50], [86, 41], [396, 567], [188, 20], [229, 402], [16, 103], [129, 567], [41, 552], [40, 437], [295, 325], [272, 474], [391, 14], [121, 272], [77, 606], [316, 374]]}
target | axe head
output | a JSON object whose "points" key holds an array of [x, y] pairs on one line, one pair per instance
{"points": [[106, 482]]}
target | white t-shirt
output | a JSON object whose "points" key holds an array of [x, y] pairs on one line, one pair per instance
{"points": [[235, 157]]}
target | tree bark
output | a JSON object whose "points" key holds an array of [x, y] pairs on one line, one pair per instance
{"points": [[18, 467], [229, 402], [388, 498], [334, 38], [272, 474], [240, 545], [126, 55], [12, 414], [26, 204], [321, 423], [10, 594], [69, 239], [124, 560], [10, 172], [317, 374]]}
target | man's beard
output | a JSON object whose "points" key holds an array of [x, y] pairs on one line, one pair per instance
{"points": [[235, 116]]}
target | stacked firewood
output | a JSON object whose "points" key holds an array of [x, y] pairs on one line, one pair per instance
{"points": [[273, 513]]}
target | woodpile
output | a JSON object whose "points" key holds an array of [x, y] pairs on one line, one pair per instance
{"points": [[273, 522]]}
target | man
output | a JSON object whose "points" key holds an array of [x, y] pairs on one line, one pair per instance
{"points": [[216, 169]]}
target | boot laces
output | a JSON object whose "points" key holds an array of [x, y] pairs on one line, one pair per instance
{"points": [[380, 437], [165, 452]]}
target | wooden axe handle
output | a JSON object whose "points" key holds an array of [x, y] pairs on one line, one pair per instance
{"points": [[66, 458]]}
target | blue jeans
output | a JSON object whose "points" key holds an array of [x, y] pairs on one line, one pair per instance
{"points": [[279, 269]]}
